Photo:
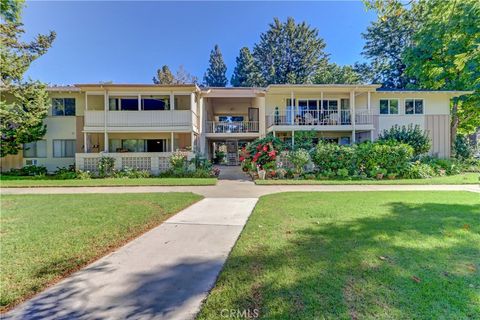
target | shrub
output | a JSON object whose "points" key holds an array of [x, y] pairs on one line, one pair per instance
{"points": [[299, 159], [106, 166], [443, 166], [411, 135], [462, 148], [329, 157], [418, 170], [178, 160], [83, 175], [393, 157], [28, 171], [131, 173]]}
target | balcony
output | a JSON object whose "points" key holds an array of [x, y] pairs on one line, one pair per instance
{"points": [[328, 119], [172, 120], [235, 127]]}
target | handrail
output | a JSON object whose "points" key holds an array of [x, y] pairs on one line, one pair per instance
{"points": [[232, 127]]}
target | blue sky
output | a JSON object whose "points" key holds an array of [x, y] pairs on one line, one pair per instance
{"points": [[125, 42]]}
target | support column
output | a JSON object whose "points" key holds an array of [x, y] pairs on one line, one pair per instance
{"points": [[172, 101], [274, 134], [292, 108], [368, 101], [192, 142], [352, 115], [85, 145], [371, 135], [86, 101], [105, 134], [293, 138], [139, 102], [171, 142]]}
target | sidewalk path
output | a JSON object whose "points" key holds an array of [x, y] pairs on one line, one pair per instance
{"points": [[164, 274], [239, 189]]}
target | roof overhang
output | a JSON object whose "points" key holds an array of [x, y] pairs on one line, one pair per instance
{"points": [[323, 87], [232, 92]]}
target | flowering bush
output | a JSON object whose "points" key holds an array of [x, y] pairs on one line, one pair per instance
{"points": [[178, 159], [106, 166], [299, 159]]}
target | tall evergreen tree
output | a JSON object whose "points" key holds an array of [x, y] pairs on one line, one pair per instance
{"points": [[21, 118], [215, 75], [386, 40], [246, 73], [289, 52], [331, 73], [164, 76]]}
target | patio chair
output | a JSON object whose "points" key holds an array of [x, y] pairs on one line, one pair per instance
{"points": [[309, 119]]}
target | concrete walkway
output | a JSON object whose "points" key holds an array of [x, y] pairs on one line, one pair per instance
{"points": [[164, 274]]}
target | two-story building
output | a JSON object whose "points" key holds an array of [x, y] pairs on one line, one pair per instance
{"points": [[141, 124]]}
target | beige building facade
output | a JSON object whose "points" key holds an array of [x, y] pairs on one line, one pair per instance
{"points": [[141, 125]]}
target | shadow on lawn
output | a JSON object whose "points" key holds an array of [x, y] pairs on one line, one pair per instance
{"points": [[157, 294], [420, 261]]}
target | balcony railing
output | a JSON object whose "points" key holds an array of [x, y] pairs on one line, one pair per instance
{"points": [[170, 118], [317, 118], [231, 127]]}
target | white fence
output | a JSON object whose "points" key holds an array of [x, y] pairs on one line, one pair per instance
{"points": [[231, 127], [155, 162]]}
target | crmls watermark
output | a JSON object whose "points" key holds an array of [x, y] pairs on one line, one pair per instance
{"points": [[242, 314]]}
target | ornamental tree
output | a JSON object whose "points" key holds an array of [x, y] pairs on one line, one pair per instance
{"points": [[215, 75], [24, 103]]}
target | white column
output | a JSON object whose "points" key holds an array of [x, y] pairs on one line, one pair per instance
{"points": [[274, 133], [105, 134], [293, 138], [321, 100], [172, 101], [352, 115], [292, 108], [192, 141], [368, 101], [171, 142], [85, 145], [86, 101], [139, 102], [371, 135]]}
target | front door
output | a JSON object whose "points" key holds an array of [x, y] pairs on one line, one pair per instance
{"points": [[232, 152]]}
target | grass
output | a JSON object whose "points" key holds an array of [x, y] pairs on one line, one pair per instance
{"points": [[45, 237], [466, 178], [369, 255], [19, 182]]}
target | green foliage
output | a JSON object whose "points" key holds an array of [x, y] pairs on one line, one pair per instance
{"points": [[23, 104], [366, 159], [462, 148], [106, 166], [331, 73], [411, 135], [215, 75], [27, 171], [277, 144], [246, 72], [385, 42], [289, 52], [418, 170], [130, 173], [303, 140], [164, 76], [10, 10], [299, 158]]}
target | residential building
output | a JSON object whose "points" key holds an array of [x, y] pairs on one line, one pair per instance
{"points": [[141, 124]]}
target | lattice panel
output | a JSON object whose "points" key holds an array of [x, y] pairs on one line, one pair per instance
{"points": [[90, 164], [163, 164], [138, 163]]}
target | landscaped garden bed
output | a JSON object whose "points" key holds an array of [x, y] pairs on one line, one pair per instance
{"points": [[182, 172], [364, 255], [398, 157], [46, 237]]}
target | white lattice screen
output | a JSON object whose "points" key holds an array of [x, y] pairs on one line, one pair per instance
{"points": [[163, 164], [138, 163], [90, 164]]}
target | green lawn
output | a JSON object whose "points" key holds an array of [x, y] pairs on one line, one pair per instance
{"points": [[45, 237], [466, 178], [369, 255], [13, 182]]}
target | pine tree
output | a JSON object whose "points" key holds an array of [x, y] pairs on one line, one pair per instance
{"points": [[289, 52], [215, 75], [164, 76], [246, 73]]}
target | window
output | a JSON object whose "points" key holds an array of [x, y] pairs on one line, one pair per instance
{"points": [[388, 106], [63, 148], [413, 106], [156, 103], [63, 106], [182, 102], [37, 149], [139, 145]]}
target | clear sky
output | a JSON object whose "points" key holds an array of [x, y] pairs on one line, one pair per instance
{"points": [[125, 42]]}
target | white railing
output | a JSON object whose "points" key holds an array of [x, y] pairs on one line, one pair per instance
{"points": [[231, 127], [155, 162], [168, 118], [317, 117]]}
